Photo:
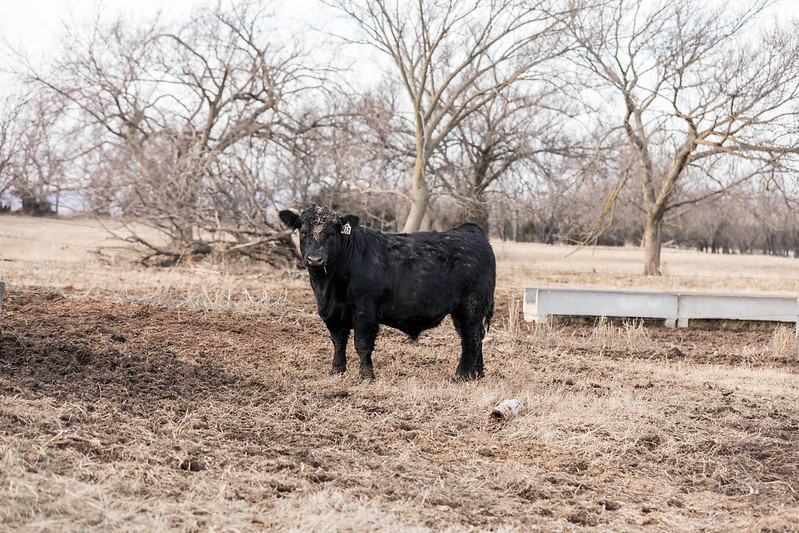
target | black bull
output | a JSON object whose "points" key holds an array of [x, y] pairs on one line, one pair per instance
{"points": [[363, 278]]}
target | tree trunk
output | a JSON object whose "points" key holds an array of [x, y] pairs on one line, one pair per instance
{"points": [[421, 197], [652, 244]]}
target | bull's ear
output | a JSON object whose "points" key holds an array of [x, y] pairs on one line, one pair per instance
{"points": [[352, 220], [290, 219], [349, 223]]}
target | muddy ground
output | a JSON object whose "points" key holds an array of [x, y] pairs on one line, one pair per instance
{"points": [[129, 417]]}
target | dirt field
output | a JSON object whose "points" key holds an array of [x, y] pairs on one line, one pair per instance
{"points": [[198, 398], [135, 417]]}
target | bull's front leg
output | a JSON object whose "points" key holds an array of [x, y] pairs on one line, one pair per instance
{"points": [[366, 328], [339, 335]]}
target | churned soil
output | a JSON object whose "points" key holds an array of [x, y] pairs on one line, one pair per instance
{"points": [[134, 417]]}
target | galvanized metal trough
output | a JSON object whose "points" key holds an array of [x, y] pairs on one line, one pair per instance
{"points": [[675, 308]]}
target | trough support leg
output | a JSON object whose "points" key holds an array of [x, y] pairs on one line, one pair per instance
{"points": [[541, 306]]}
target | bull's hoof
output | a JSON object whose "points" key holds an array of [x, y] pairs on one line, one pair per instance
{"points": [[338, 370], [472, 375], [367, 374]]}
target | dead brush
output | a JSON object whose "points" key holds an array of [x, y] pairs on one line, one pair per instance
{"points": [[513, 325], [222, 294], [532, 335], [631, 336], [783, 345], [225, 297]]}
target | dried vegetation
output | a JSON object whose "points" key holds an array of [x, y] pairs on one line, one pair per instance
{"points": [[197, 398]]}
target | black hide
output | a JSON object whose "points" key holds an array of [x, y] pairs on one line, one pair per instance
{"points": [[363, 278]]}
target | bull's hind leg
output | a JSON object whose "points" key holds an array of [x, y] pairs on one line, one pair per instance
{"points": [[365, 334], [339, 335], [471, 331]]}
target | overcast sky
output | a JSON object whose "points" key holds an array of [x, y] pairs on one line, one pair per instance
{"points": [[34, 25]]}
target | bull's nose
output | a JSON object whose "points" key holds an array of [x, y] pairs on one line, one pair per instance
{"points": [[315, 260]]}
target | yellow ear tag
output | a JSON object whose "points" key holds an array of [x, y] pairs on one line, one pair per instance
{"points": [[346, 229]]}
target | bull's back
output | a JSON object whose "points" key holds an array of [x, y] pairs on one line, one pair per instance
{"points": [[433, 273]]}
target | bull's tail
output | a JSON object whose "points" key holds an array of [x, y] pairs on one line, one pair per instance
{"points": [[492, 285], [489, 310]]}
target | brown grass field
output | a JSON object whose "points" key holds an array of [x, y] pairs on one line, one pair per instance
{"points": [[197, 398]]}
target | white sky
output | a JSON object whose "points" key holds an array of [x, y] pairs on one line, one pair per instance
{"points": [[34, 25]]}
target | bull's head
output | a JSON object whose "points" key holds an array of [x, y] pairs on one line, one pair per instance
{"points": [[323, 232]]}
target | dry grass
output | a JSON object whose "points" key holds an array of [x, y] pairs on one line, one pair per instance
{"points": [[630, 336], [79, 254], [784, 344], [538, 265], [196, 398]]}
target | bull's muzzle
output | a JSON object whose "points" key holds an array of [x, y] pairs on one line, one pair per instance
{"points": [[314, 261]]}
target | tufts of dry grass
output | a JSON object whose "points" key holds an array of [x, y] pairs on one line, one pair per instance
{"points": [[784, 345], [629, 336]]}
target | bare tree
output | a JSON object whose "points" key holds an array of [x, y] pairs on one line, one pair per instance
{"points": [[511, 136], [10, 141], [453, 57], [351, 161], [175, 116], [34, 157], [702, 100]]}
